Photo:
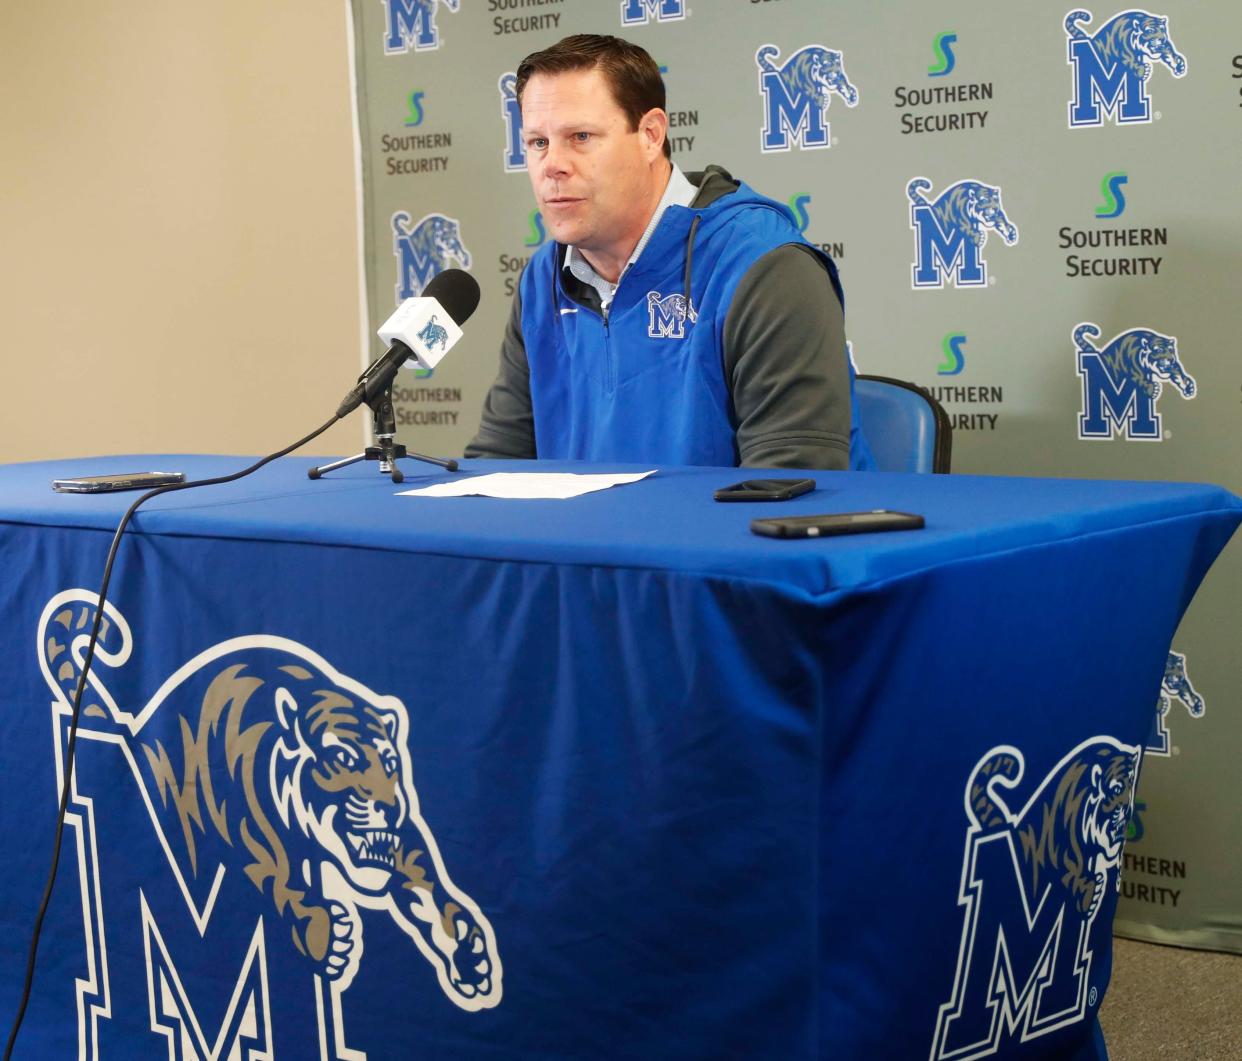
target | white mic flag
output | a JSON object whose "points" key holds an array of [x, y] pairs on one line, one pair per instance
{"points": [[424, 326]]}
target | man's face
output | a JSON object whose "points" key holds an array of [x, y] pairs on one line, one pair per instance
{"points": [[593, 176]]}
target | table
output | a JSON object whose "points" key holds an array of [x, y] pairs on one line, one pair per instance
{"points": [[364, 775]]}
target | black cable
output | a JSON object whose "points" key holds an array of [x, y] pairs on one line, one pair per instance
{"points": [[77, 701]]}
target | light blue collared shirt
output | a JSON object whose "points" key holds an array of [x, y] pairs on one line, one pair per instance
{"points": [[678, 192]]}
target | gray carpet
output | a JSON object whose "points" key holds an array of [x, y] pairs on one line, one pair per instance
{"points": [[1169, 1004]]}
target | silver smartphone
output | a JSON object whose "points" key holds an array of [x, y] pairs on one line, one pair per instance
{"points": [[102, 484]]}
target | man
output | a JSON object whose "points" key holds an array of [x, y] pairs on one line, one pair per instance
{"points": [[678, 320]]}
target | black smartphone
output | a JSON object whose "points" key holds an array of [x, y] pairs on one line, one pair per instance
{"points": [[835, 523], [765, 490], [102, 484]]}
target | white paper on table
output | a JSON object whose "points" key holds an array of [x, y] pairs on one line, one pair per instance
{"points": [[527, 485]]}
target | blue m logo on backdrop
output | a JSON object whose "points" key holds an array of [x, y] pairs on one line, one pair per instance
{"points": [[1033, 881], [1111, 66], [1121, 382], [950, 233], [423, 251], [511, 113], [796, 95], [412, 24], [1174, 686], [640, 12], [667, 315]]}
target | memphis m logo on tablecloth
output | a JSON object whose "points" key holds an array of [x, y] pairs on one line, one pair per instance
{"points": [[1111, 66], [1121, 382], [1032, 883], [951, 232], [258, 762], [424, 251], [412, 24], [796, 95]]}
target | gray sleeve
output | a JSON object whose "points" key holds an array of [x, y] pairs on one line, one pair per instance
{"points": [[785, 364], [507, 428]]}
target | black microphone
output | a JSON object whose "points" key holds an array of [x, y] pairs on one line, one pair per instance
{"points": [[423, 329]]}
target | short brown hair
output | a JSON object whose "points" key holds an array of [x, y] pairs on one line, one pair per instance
{"points": [[630, 72]]}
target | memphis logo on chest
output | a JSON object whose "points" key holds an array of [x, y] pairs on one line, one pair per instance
{"points": [[668, 315]]}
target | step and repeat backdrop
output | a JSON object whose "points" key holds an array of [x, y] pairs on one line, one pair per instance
{"points": [[1035, 210]]}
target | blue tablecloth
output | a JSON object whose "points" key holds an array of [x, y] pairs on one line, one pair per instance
{"points": [[369, 775]]}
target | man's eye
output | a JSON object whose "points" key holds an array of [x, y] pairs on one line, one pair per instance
{"points": [[582, 138], [537, 144]]}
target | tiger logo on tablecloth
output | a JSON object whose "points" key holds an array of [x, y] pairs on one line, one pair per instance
{"points": [[1033, 881], [277, 766]]}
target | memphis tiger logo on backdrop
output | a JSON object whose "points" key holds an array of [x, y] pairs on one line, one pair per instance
{"points": [[1123, 379], [424, 250], [640, 12], [514, 154], [1111, 66], [1033, 882], [412, 24], [283, 797], [1174, 686], [951, 231], [796, 95]]}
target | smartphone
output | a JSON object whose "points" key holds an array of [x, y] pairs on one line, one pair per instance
{"points": [[101, 484], [835, 523], [765, 490]]}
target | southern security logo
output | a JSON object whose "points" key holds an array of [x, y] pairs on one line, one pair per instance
{"points": [[667, 315], [412, 24], [640, 12], [1112, 195], [796, 95], [951, 231], [798, 206], [511, 114], [414, 116], [424, 250], [288, 809], [1111, 66], [945, 59], [798, 203], [954, 360], [1033, 883], [1174, 686], [538, 234], [1126, 250], [1123, 380]]}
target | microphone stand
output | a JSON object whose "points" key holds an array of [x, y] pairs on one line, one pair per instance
{"points": [[388, 451]]}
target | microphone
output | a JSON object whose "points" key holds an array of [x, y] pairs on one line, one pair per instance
{"points": [[422, 330]]}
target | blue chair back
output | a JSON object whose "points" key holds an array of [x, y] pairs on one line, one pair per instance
{"points": [[907, 429]]}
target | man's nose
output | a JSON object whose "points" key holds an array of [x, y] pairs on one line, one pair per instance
{"points": [[556, 160]]}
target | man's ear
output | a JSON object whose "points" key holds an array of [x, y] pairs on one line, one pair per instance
{"points": [[653, 128]]}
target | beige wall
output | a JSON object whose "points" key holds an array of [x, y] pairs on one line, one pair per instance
{"points": [[178, 239]]}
